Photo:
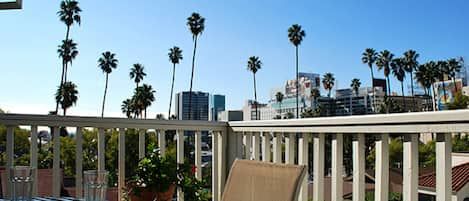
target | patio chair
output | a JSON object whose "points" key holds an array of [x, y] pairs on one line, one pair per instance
{"points": [[262, 181]]}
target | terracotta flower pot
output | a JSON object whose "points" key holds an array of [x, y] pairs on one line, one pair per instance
{"points": [[168, 195]]}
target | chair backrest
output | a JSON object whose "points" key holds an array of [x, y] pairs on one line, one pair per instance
{"points": [[262, 181]]}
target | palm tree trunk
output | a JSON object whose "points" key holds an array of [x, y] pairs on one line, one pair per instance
{"points": [[433, 96], [255, 95], [145, 113], [455, 86], [412, 87], [372, 86], [297, 83], [389, 86], [172, 87], [63, 71], [104, 98], [402, 90], [192, 77], [444, 90]]}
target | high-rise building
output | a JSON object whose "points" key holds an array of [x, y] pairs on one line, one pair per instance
{"points": [[217, 104], [199, 109]]}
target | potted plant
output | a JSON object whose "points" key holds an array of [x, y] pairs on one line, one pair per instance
{"points": [[158, 176]]}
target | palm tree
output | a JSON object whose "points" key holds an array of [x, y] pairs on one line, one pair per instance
{"points": [[175, 55], [148, 97], [107, 62], [443, 70], [411, 63], [137, 73], [398, 70], [127, 108], [369, 57], [296, 35], [66, 95], [196, 24], [355, 85], [67, 51], [328, 83], [254, 64], [383, 62], [69, 13], [427, 74], [279, 98], [315, 94], [454, 67]]}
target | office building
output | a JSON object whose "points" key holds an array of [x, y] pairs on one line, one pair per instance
{"points": [[230, 115], [217, 104], [199, 109]]}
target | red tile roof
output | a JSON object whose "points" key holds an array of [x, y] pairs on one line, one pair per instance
{"points": [[460, 177]]}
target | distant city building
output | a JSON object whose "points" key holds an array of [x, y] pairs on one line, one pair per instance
{"points": [[249, 110], [230, 115], [217, 104], [199, 109]]}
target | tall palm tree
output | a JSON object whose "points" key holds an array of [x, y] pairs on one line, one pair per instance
{"points": [[69, 14], [369, 57], [383, 62], [296, 35], [279, 98], [137, 73], [175, 55], [443, 70], [148, 97], [398, 70], [254, 64], [107, 62], [328, 81], [67, 95], [127, 108], [67, 51], [355, 85], [411, 63], [454, 67], [196, 25], [315, 94]]}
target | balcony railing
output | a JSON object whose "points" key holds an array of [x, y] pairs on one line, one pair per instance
{"points": [[263, 140]]}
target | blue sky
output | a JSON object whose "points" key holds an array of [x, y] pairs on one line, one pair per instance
{"points": [[142, 31]]}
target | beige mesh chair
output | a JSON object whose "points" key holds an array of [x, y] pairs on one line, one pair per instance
{"points": [[261, 181]]}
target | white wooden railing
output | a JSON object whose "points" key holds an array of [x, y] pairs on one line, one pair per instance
{"points": [[260, 139]]}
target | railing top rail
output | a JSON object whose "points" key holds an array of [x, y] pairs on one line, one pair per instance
{"points": [[416, 122], [98, 122]]}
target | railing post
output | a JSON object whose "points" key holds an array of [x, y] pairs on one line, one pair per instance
{"points": [[9, 160], [198, 155], [290, 139], [121, 163], [337, 146], [33, 161], [141, 143], [443, 167], [215, 166], [358, 151], [180, 158], [101, 149], [247, 145], [162, 141], [79, 162], [318, 167], [303, 144], [234, 147], [411, 171], [382, 168], [255, 146], [266, 146], [222, 147], [277, 147], [56, 164]]}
